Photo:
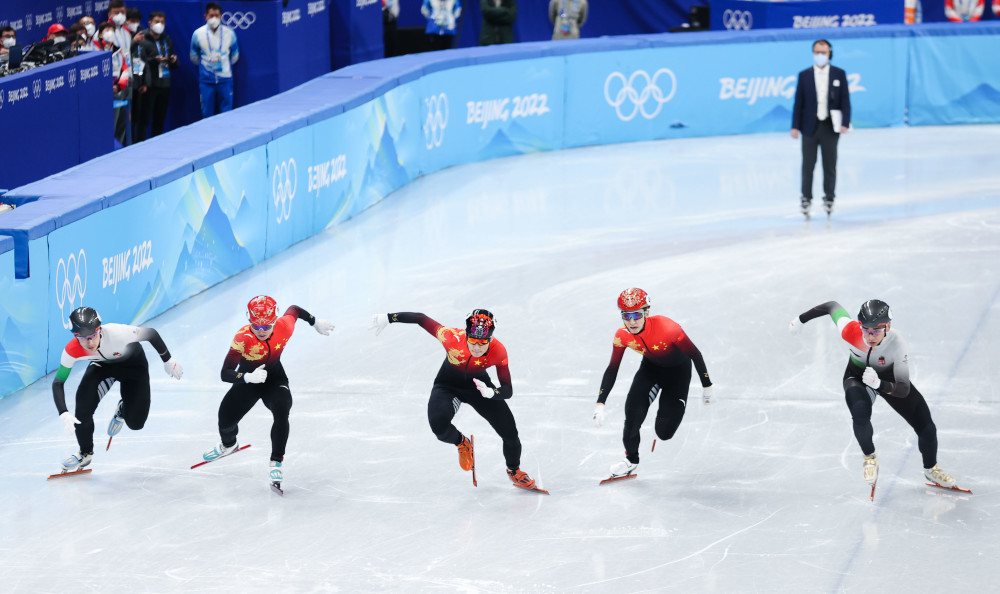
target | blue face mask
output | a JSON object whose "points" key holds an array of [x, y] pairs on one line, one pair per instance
{"points": [[820, 59]]}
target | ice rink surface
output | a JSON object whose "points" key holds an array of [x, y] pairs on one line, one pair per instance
{"points": [[761, 491]]}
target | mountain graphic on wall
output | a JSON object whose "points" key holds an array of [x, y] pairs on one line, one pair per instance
{"points": [[10, 379], [778, 119], [979, 104], [383, 168], [214, 255]]}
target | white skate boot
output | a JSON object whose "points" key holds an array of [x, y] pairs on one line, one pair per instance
{"points": [[871, 468], [623, 468], [936, 475], [219, 451], [117, 422], [77, 461], [275, 477]]}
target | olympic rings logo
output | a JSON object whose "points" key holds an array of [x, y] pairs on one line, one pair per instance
{"points": [[651, 90], [36, 88], [72, 77], [437, 119], [106, 67], [239, 20], [737, 19], [284, 182], [69, 284]]}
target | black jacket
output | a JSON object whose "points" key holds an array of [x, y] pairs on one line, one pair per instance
{"points": [[149, 49], [804, 113]]}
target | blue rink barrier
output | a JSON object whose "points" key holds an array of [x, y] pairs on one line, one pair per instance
{"points": [[142, 229]]}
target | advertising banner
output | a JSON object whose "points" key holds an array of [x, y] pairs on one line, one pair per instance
{"points": [[949, 83], [741, 15], [60, 114], [290, 206], [492, 110], [136, 260], [708, 90]]}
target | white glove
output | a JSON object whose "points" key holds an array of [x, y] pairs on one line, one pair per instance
{"points": [[795, 326], [485, 390], [379, 322], [257, 376], [599, 414], [68, 421], [706, 395], [870, 377], [173, 368], [324, 327]]}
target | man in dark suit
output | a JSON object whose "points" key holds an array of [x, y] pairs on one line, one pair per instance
{"points": [[821, 102]]}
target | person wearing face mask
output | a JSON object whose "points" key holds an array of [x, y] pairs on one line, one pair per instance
{"points": [[140, 86], [8, 39], [121, 74], [90, 36], [57, 34], [122, 40], [821, 114], [214, 49], [157, 50], [253, 367]]}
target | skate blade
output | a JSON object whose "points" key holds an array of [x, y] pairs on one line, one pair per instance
{"points": [[276, 487], [65, 474], [955, 488], [618, 478], [535, 489]]}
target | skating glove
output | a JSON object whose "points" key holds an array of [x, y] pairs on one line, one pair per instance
{"points": [[69, 421], [870, 377], [322, 326], [485, 390], [599, 414], [706, 395], [257, 376], [173, 368], [795, 326], [379, 322]]}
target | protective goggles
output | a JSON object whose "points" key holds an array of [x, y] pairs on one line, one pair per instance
{"points": [[873, 329], [479, 341], [89, 336], [263, 328], [633, 315]]}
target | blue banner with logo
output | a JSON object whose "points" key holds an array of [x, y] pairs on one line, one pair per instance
{"points": [[948, 84], [746, 15], [492, 110], [169, 244], [56, 116], [704, 90]]}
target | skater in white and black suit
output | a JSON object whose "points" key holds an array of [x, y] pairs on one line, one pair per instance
{"points": [[115, 356], [878, 365]]}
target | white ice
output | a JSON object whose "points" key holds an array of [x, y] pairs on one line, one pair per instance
{"points": [[760, 491]]}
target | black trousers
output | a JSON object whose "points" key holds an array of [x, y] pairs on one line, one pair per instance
{"points": [[913, 408], [242, 397], [443, 406], [132, 375], [152, 107], [825, 139], [649, 382]]}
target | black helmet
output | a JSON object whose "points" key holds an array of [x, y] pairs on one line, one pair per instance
{"points": [[874, 313], [85, 321], [480, 324]]}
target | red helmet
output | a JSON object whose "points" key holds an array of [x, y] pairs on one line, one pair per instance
{"points": [[262, 310], [633, 299]]}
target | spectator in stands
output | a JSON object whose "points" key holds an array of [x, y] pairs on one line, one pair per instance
{"points": [[121, 75], [78, 36], [442, 19], [390, 30], [567, 17], [214, 49], [122, 42], [157, 49], [498, 21], [57, 33], [116, 16], [8, 39], [133, 18], [90, 27]]}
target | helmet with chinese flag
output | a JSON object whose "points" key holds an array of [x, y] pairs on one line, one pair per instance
{"points": [[633, 299]]}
